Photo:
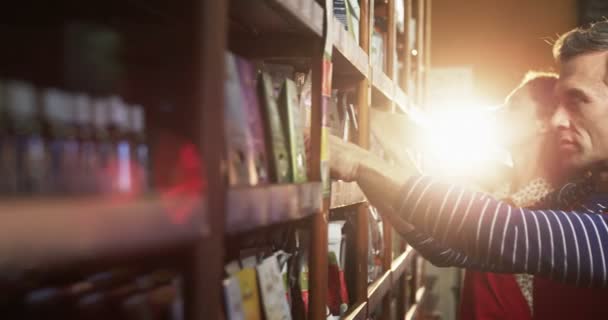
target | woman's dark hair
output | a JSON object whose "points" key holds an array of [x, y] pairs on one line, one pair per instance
{"points": [[540, 85]]}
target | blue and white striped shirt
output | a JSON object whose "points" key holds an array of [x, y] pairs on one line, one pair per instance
{"points": [[458, 227]]}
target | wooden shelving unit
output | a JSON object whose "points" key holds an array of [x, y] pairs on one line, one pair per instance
{"points": [[59, 233]]}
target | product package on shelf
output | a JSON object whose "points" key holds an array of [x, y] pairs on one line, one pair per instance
{"points": [[272, 289], [376, 245], [275, 139], [299, 287], [349, 251], [341, 12], [249, 293], [241, 294], [347, 12], [233, 298], [337, 289], [290, 113], [248, 78], [304, 85], [278, 73], [378, 50], [106, 295], [239, 141], [354, 18]]}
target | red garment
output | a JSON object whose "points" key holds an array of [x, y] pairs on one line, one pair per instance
{"points": [[492, 296], [497, 296], [555, 301]]}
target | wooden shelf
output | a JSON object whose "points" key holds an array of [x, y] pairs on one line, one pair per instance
{"points": [[254, 207], [377, 290], [383, 88], [421, 295], [344, 194], [400, 265], [49, 234], [357, 313], [411, 312], [348, 57], [271, 16], [402, 101]]}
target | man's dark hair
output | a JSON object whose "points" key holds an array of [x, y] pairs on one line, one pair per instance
{"points": [[582, 40]]}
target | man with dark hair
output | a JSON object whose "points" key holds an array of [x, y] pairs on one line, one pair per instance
{"points": [[565, 239]]}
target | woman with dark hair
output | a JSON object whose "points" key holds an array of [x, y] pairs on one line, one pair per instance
{"points": [[524, 122]]}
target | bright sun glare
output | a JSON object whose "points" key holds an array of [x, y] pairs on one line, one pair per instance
{"points": [[461, 141]]}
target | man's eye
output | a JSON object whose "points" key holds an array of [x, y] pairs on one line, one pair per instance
{"points": [[574, 102]]}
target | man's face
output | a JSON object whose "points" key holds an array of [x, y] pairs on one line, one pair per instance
{"points": [[581, 118]]}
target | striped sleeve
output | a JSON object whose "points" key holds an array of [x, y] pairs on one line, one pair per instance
{"points": [[437, 254], [567, 246]]}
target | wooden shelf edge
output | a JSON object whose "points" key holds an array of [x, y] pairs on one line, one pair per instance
{"points": [[357, 313], [399, 265], [378, 289], [308, 13], [411, 312], [420, 295], [344, 194], [350, 51], [401, 100], [383, 84], [261, 206], [49, 234], [347, 205]]}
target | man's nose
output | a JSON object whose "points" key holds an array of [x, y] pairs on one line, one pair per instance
{"points": [[560, 118]]}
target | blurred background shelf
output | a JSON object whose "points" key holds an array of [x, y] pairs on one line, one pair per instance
{"points": [[304, 17], [50, 234], [255, 207]]}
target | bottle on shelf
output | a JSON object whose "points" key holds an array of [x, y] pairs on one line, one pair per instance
{"points": [[62, 147], [102, 145], [88, 157], [120, 169], [140, 149], [29, 146]]}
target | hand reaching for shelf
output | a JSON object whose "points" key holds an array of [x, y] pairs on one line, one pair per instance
{"points": [[344, 159]]}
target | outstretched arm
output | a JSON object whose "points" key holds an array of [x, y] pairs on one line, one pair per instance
{"points": [[565, 246]]}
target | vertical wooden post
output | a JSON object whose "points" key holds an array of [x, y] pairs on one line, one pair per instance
{"points": [[205, 268], [427, 48], [420, 46], [407, 61], [392, 40], [363, 103], [318, 256], [387, 257], [392, 43]]}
